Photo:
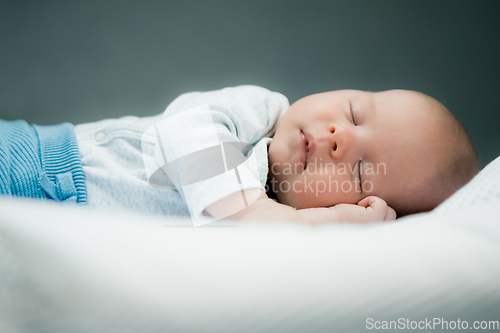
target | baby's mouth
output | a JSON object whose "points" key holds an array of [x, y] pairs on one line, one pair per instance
{"points": [[306, 148], [309, 147], [307, 153]]}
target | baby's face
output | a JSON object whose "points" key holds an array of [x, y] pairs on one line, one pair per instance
{"points": [[341, 146]]}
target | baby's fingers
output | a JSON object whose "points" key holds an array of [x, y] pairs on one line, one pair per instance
{"points": [[373, 202], [376, 206]]}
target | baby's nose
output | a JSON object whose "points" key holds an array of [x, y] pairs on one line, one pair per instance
{"points": [[340, 140]]}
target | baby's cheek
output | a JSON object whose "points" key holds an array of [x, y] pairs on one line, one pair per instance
{"points": [[310, 194]]}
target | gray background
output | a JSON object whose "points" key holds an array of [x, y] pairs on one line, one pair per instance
{"points": [[85, 61]]}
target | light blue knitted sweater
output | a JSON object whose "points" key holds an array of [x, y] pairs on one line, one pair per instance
{"points": [[40, 162]]}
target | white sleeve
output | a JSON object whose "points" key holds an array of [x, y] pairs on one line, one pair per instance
{"points": [[201, 121], [249, 113]]}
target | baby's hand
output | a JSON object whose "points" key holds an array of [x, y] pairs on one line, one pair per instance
{"points": [[264, 209], [370, 209]]}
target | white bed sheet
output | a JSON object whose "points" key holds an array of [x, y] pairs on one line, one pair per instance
{"points": [[69, 269]]}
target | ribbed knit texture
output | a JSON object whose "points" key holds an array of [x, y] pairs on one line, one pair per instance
{"points": [[19, 160], [27, 151]]}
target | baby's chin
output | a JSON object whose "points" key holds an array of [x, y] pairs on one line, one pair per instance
{"points": [[290, 199]]}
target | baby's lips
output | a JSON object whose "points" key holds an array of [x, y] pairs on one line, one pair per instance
{"points": [[310, 146], [302, 148]]}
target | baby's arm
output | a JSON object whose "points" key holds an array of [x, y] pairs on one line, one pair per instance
{"points": [[369, 209]]}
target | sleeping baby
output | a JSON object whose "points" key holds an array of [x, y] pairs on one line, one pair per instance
{"points": [[345, 155]]}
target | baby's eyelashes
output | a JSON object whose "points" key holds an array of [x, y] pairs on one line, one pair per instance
{"points": [[352, 114]]}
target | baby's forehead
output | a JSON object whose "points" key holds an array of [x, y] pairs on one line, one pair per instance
{"points": [[408, 96], [408, 105], [406, 134]]}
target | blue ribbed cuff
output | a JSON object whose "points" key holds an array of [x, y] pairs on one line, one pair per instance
{"points": [[59, 155]]}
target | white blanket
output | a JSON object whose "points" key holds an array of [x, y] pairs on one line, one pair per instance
{"points": [[69, 269]]}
